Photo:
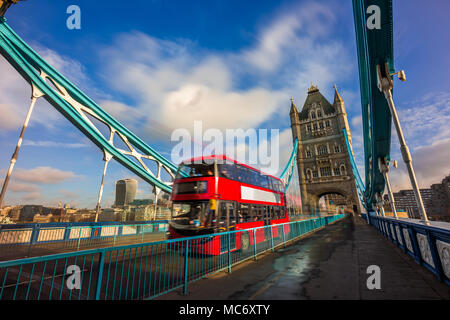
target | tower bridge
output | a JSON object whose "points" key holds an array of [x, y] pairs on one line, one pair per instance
{"points": [[323, 159]]}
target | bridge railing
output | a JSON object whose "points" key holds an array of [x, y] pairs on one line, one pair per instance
{"points": [[144, 270], [429, 245], [26, 238]]}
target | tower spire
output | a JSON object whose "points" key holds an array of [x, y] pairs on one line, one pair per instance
{"points": [[313, 88], [337, 96], [293, 107]]}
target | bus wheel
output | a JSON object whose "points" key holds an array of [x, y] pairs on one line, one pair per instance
{"points": [[245, 242]]}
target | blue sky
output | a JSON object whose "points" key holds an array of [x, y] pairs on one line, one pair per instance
{"points": [[231, 64]]}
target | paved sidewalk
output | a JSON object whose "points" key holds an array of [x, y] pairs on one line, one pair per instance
{"points": [[330, 264]]}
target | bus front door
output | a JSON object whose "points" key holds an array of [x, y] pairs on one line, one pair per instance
{"points": [[228, 222]]}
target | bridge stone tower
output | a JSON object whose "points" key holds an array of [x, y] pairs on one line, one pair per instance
{"points": [[323, 161]]}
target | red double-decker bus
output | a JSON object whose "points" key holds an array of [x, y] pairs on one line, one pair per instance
{"points": [[220, 194]]}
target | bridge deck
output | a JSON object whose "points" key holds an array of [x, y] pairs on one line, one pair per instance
{"points": [[330, 264]]}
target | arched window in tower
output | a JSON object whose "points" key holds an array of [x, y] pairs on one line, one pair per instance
{"points": [[327, 123], [319, 113], [322, 149], [313, 114], [308, 174], [343, 170], [337, 171]]}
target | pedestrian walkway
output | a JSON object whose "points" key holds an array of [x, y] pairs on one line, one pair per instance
{"points": [[329, 264]]}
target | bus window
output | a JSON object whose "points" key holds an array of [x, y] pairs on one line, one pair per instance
{"points": [[266, 215], [272, 212], [264, 181], [283, 213], [232, 213], [244, 213], [252, 214], [258, 213], [227, 171], [254, 178], [189, 213], [222, 215], [196, 170], [273, 183], [280, 186], [242, 173], [276, 214]]}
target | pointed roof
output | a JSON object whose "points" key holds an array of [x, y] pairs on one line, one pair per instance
{"points": [[314, 96], [293, 107], [337, 96]]}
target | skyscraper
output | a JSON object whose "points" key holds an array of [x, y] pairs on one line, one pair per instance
{"points": [[125, 191]]}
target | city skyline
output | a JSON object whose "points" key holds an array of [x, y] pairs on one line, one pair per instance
{"points": [[142, 67]]}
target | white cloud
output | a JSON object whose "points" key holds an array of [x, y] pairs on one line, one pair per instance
{"points": [[217, 108], [426, 121], [15, 92], [43, 175], [53, 144], [21, 187], [431, 164], [174, 83], [427, 133], [268, 53]]}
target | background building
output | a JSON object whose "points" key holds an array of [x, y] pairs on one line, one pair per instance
{"points": [[125, 192], [436, 200]]}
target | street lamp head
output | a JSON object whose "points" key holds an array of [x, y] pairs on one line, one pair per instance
{"points": [[400, 74]]}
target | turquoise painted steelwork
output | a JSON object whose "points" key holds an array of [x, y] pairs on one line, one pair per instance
{"points": [[288, 171], [359, 184], [375, 47], [74, 105], [139, 271]]}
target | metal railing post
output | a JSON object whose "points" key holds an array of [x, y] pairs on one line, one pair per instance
{"points": [[271, 238], [229, 252], [79, 238], [254, 244], [101, 263], [186, 257], [32, 238]]}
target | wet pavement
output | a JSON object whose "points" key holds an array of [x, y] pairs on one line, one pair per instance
{"points": [[329, 264]]}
